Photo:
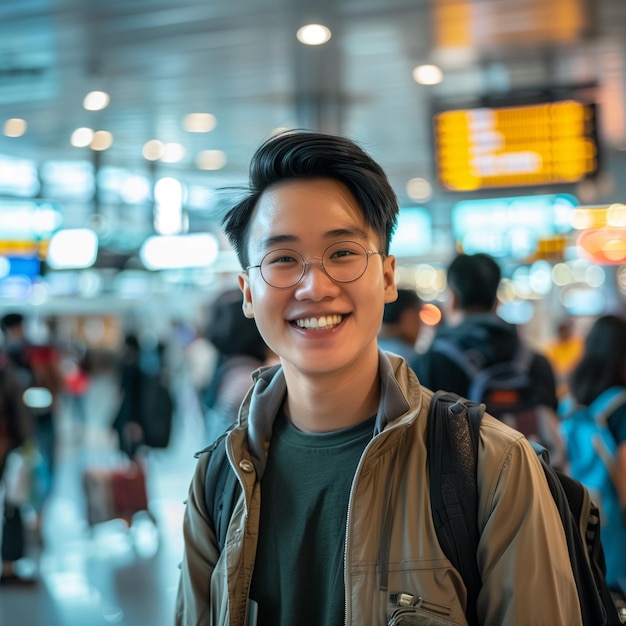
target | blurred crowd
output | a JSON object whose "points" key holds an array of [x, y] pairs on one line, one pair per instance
{"points": [[219, 353]]}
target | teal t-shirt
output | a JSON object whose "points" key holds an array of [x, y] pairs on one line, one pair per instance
{"points": [[298, 573]]}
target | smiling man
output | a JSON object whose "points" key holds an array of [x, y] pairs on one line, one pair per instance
{"points": [[332, 524]]}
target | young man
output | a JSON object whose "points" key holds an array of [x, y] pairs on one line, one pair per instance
{"points": [[333, 525]]}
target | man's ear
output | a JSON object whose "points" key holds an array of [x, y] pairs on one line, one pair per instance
{"points": [[244, 285], [389, 276]]}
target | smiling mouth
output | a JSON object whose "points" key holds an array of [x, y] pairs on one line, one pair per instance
{"points": [[319, 323]]}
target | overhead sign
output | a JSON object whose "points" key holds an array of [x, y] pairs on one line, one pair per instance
{"points": [[512, 227], [27, 225], [540, 144]]}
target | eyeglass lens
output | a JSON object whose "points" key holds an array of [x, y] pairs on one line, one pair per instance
{"points": [[344, 261]]}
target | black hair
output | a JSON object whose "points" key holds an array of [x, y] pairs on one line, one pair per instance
{"points": [[474, 278], [11, 320], [603, 362], [407, 299], [308, 155], [230, 331]]}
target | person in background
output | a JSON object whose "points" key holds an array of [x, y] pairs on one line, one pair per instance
{"points": [[38, 369], [128, 421], [473, 326], [564, 351], [601, 369], [333, 524], [401, 325], [17, 429], [241, 350]]}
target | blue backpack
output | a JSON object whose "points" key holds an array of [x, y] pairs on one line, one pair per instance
{"points": [[591, 451]]}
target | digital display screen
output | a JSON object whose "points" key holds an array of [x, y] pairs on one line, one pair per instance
{"points": [[538, 144]]}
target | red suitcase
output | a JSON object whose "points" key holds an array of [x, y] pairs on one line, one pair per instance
{"points": [[115, 493], [129, 491]]}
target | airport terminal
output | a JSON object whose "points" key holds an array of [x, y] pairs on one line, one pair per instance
{"points": [[126, 134]]}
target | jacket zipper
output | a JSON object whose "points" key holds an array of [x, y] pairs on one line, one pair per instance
{"points": [[348, 616]]}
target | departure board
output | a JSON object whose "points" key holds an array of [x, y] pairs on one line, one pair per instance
{"points": [[539, 144]]}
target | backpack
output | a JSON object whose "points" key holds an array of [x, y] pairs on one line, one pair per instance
{"points": [[510, 395], [591, 449], [453, 435], [157, 411], [452, 448]]}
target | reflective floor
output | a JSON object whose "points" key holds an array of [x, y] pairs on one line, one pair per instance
{"points": [[108, 574]]}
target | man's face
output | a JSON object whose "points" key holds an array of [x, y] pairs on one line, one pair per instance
{"points": [[308, 216]]}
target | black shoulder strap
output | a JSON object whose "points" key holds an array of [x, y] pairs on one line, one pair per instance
{"points": [[452, 449], [220, 489], [459, 357]]}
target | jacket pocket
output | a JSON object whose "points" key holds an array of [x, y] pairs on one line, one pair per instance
{"points": [[416, 617], [420, 612]]}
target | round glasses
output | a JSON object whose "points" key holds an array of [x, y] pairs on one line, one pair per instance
{"points": [[343, 262]]}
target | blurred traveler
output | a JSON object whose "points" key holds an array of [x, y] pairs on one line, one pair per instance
{"points": [[594, 425], [241, 350], [332, 523], [38, 369], [16, 431], [76, 383], [564, 351], [476, 342], [145, 413], [129, 417], [401, 325]]}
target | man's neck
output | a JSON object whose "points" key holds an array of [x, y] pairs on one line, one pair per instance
{"points": [[334, 401]]}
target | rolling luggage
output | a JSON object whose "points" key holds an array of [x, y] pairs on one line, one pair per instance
{"points": [[115, 493]]}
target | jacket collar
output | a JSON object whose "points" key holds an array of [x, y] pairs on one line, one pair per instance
{"points": [[263, 402]]}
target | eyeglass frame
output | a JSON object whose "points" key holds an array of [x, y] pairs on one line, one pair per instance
{"points": [[307, 262]]}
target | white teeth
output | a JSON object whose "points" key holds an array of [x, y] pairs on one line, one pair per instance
{"points": [[326, 321]]}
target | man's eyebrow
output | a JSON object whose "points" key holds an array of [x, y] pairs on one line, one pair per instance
{"points": [[351, 233], [275, 240]]}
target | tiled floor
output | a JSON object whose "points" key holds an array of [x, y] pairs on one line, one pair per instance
{"points": [[109, 574]]}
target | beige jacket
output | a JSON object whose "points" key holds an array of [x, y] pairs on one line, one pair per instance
{"points": [[391, 543]]}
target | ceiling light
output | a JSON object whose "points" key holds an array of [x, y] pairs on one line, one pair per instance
{"points": [[313, 34], [419, 189], [179, 251], [211, 160], [102, 140], [153, 150], [72, 248], [199, 122], [427, 75], [14, 127], [173, 153], [96, 101], [81, 137]]}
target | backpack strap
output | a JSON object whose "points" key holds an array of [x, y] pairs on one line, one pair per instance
{"points": [[221, 488], [607, 403], [452, 451], [463, 359]]}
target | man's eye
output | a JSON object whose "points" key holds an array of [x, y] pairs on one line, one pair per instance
{"points": [[343, 253], [283, 258]]}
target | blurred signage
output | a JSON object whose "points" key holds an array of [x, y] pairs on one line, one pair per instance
{"points": [[18, 177], [602, 239], [26, 226], [511, 227], [539, 144], [413, 234]]}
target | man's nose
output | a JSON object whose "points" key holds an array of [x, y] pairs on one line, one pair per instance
{"points": [[315, 282]]}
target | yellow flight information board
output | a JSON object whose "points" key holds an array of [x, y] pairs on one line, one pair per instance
{"points": [[539, 144]]}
